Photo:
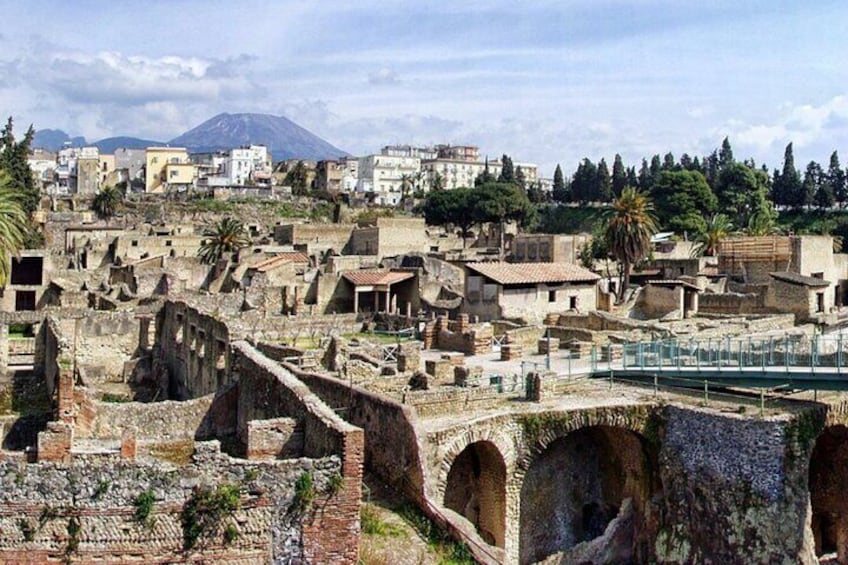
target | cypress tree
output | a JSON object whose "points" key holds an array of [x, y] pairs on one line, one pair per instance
{"points": [[559, 191], [791, 188], [619, 176], [603, 185], [836, 180]]}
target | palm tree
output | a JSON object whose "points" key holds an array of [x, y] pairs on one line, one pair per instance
{"points": [[719, 227], [106, 202], [226, 236], [13, 225], [629, 230]]}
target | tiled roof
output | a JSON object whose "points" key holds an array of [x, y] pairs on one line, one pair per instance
{"points": [[674, 282], [376, 278], [280, 259], [532, 273], [795, 278]]}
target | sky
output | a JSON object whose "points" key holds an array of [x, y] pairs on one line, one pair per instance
{"points": [[546, 82]]}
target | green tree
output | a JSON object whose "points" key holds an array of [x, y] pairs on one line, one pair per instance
{"points": [[742, 192], [13, 224], [520, 177], [681, 198], [810, 185], [836, 180], [725, 155], [560, 192], [718, 228], [507, 170], [296, 178], [451, 207], [787, 189], [486, 176], [603, 184], [105, 203], [438, 182], [501, 203], [13, 160], [227, 236], [629, 229], [619, 176], [536, 194]]}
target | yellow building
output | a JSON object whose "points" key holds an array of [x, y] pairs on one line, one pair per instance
{"points": [[106, 168], [167, 166]]}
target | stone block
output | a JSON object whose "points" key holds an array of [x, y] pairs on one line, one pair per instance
{"points": [[548, 345], [454, 359], [273, 439], [441, 371], [463, 374], [54, 443], [510, 351], [128, 444]]}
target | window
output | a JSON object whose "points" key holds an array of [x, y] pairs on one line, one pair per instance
{"points": [[819, 302], [134, 243], [818, 275], [551, 296], [572, 303], [174, 174], [154, 160], [168, 243]]}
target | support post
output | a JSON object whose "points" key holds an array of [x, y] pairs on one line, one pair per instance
{"points": [[762, 402], [706, 392]]}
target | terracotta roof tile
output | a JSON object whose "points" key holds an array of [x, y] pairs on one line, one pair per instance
{"points": [[375, 278], [532, 273], [280, 259]]}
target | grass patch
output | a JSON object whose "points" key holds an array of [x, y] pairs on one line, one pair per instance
{"points": [[114, 397], [304, 493], [179, 453], [373, 525], [449, 552]]}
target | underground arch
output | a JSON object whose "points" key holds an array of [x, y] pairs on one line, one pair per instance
{"points": [[578, 485], [476, 489]]}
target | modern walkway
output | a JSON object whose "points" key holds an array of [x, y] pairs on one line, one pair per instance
{"points": [[792, 362]]}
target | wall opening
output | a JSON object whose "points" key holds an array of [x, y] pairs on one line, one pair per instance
{"points": [[27, 271], [578, 486], [24, 300], [829, 494], [476, 489]]}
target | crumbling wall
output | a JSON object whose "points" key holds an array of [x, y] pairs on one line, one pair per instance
{"points": [[87, 511], [735, 487]]}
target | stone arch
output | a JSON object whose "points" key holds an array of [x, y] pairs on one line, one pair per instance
{"points": [[500, 434], [828, 484], [476, 489], [577, 481]]}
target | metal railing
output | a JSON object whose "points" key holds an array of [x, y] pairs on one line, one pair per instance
{"points": [[826, 353]]}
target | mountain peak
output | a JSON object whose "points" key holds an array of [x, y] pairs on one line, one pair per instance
{"points": [[283, 138]]}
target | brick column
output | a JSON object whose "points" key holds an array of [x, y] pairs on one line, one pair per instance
{"points": [[128, 444], [65, 393]]}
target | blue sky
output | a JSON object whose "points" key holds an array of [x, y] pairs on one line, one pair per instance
{"points": [[546, 81]]}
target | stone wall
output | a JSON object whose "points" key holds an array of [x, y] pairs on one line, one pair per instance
{"points": [[192, 351], [731, 303], [86, 511], [753, 473], [391, 447], [168, 420], [657, 301]]}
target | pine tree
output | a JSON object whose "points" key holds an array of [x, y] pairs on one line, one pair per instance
{"points": [[725, 155], [836, 180], [645, 177], [811, 185], [656, 167], [486, 177], [560, 194], [520, 178], [669, 164], [632, 179], [686, 162], [507, 170], [13, 160], [603, 182], [712, 169], [619, 176]]}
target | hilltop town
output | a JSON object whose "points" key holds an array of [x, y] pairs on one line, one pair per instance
{"points": [[215, 357]]}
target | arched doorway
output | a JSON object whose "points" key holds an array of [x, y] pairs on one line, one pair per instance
{"points": [[829, 493], [578, 485], [476, 489]]}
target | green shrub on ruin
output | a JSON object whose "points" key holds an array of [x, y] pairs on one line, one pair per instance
{"points": [[203, 513], [304, 493], [144, 507]]}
